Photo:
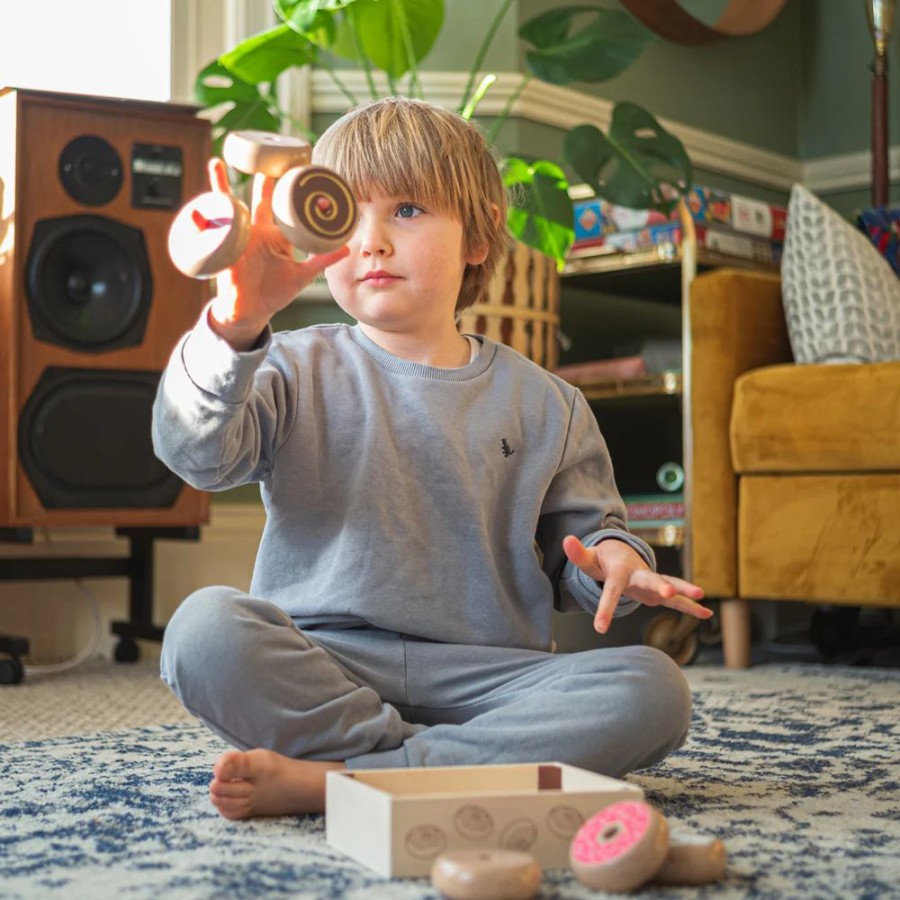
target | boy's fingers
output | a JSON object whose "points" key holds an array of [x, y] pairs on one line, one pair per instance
{"points": [[317, 264], [218, 175], [685, 587], [609, 600], [688, 606], [261, 199], [580, 556]]}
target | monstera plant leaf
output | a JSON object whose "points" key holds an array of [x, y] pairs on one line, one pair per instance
{"points": [[310, 17], [541, 215], [577, 43], [393, 35], [628, 165], [263, 57], [241, 103]]}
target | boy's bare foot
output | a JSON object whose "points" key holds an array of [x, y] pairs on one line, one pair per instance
{"points": [[253, 783]]}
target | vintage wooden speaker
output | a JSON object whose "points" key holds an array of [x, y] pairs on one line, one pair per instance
{"points": [[91, 306]]}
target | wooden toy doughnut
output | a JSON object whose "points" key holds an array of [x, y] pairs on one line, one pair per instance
{"points": [[692, 859], [264, 152], [209, 234], [620, 847], [314, 208], [490, 874]]}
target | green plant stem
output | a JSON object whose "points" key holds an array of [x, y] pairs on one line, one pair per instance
{"points": [[478, 96], [500, 121], [415, 88], [482, 51], [332, 74], [297, 125], [366, 65]]}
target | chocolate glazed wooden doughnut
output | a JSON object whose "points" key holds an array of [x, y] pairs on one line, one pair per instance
{"points": [[313, 206]]}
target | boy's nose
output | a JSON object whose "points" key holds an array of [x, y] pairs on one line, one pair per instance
{"points": [[373, 241]]}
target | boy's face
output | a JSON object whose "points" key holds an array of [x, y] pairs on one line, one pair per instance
{"points": [[405, 267]]}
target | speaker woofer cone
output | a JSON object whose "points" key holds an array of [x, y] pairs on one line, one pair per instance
{"points": [[84, 441], [88, 283]]}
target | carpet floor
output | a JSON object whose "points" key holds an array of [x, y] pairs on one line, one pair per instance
{"points": [[103, 794]]}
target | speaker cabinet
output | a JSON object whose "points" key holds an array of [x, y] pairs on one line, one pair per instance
{"points": [[91, 306]]}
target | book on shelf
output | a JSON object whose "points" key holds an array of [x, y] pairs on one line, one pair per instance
{"points": [[708, 206], [881, 224], [615, 369], [654, 510], [719, 240]]}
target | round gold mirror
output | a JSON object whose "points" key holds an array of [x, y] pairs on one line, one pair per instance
{"points": [[696, 22]]}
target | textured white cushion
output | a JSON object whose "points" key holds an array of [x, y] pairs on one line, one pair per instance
{"points": [[841, 298]]}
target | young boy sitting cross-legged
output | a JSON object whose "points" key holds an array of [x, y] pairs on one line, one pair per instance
{"points": [[428, 495]]}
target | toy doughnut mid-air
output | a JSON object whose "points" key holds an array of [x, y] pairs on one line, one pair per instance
{"points": [[313, 206]]}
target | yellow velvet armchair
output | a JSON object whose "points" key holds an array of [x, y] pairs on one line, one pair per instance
{"points": [[794, 469]]}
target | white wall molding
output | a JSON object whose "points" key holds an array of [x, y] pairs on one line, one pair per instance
{"points": [[564, 108], [846, 172]]}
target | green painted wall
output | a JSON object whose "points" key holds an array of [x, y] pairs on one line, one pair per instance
{"points": [[835, 107], [465, 24], [746, 89]]}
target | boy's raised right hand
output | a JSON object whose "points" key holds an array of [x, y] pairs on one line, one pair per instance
{"points": [[266, 277]]}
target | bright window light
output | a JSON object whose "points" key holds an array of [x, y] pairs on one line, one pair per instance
{"points": [[108, 48]]}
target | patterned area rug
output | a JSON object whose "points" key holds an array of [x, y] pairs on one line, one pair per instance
{"points": [[796, 768]]}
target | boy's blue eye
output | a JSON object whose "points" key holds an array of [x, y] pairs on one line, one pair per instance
{"points": [[408, 210]]}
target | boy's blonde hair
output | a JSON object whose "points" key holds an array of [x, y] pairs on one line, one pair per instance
{"points": [[418, 151]]}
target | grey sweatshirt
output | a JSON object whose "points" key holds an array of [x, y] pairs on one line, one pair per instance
{"points": [[430, 502]]}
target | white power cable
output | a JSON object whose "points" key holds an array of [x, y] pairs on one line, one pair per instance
{"points": [[97, 626]]}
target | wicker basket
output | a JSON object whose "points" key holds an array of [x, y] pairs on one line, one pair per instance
{"points": [[522, 306]]}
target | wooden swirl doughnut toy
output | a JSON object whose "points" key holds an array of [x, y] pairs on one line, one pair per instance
{"points": [[620, 847], [489, 874], [692, 859], [313, 206]]}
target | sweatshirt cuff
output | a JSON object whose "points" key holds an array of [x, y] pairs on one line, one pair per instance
{"points": [[585, 590], [215, 367]]}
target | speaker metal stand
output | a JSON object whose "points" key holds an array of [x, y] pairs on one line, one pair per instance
{"points": [[137, 567]]}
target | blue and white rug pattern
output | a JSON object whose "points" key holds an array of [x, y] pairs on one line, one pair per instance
{"points": [[797, 769]]}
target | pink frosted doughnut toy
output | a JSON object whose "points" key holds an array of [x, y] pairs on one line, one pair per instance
{"points": [[620, 847]]}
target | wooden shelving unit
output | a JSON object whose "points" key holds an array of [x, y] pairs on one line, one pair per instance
{"points": [[663, 273]]}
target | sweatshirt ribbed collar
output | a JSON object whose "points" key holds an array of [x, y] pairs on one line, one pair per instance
{"points": [[391, 363]]}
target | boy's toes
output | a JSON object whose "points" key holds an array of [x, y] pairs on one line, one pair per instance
{"points": [[231, 765], [233, 788], [230, 807]]}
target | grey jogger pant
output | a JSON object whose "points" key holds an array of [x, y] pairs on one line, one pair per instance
{"points": [[378, 699]]}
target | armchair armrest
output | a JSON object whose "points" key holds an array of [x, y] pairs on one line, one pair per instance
{"points": [[735, 322]]}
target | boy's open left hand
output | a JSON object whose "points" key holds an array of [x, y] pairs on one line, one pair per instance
{"points": [[622, 570], [266, 277]]}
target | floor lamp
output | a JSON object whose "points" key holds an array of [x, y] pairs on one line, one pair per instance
{"points": [[881, 21]]}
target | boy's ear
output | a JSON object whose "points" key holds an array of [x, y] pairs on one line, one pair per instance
{"points": [[477, 255]]}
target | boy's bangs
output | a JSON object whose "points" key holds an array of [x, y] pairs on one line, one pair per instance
{"points": [[411, 162]]}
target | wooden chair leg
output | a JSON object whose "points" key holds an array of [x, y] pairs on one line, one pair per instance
{"points": [[735, 615]]}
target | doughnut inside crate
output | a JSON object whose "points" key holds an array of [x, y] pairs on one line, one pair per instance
{"points": [[521, 307], [396, 821]]}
